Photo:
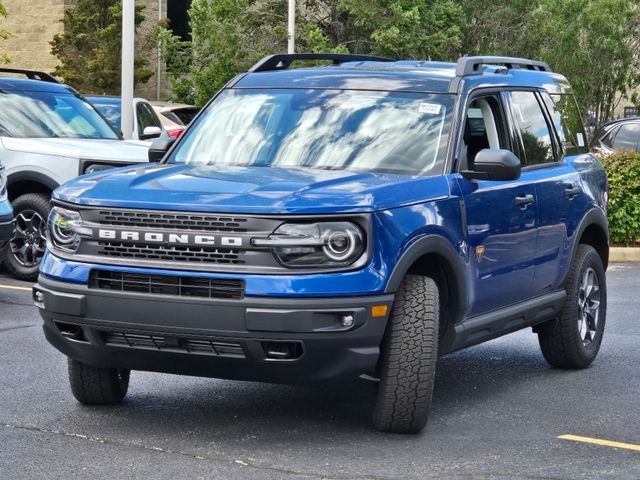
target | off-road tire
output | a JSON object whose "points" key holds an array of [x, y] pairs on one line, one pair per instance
{"points": [[408, 358], [560, 340], [35, 202], [97, 386]]}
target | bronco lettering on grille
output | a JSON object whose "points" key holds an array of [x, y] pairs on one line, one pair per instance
{"points": [[170, 238]]}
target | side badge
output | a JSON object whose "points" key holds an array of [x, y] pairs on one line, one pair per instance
{"points": [[479, 252]]}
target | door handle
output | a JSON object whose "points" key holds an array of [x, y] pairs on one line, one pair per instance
{"points": [[572, 189], [524, 200]]}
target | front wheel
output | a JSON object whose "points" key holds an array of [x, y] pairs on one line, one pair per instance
{"points": [[573, 340], [408, 358], [26, 247], [97, 386]]}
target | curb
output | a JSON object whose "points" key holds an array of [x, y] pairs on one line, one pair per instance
{"points": [[624, 254]]}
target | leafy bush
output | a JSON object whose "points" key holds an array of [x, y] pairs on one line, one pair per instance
{"points": [[623, 170]]}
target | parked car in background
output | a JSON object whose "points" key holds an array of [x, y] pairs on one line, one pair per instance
{"points": [[175, 116], [6, 211], [146, 124], [623, 134], [49, 134]]}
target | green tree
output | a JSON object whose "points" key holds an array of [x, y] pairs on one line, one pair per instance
{"points": [[89, 49], [4, 58], [595, 44]]}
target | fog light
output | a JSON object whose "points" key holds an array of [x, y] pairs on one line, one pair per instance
{"points": [[38, 298], [347, 321]]}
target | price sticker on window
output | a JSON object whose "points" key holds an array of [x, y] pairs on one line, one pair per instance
{"points": [[431, 108]]}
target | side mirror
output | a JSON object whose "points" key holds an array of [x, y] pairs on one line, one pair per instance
{"points": [[494, 164], [159, 149], [151, 132]]}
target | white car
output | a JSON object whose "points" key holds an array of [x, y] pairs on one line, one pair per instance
{"points": [[49, 134], [146, 123], [175, 117]]}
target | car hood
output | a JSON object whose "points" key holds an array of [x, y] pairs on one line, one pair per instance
{"points": [[124, 150], [250, 189]]}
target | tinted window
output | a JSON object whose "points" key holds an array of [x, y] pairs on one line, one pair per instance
{"points": [[50, 115], [394, 132], [146, 117], [186, 114], [607, 140], [627, 137], [532, 127], [566, 118]]}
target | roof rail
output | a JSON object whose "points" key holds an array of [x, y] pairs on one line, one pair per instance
{"points": [[31, 74], [472, 65], [284, 60]]}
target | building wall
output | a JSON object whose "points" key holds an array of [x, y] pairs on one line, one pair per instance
{"points": [[32, 24]]}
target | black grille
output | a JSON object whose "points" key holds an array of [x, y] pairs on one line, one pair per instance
{"points": [[171, 253], [167, 284], [164, 342], [163, 220]]}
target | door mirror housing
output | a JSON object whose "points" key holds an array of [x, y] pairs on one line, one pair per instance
{"points": [[150, 132], [159, 149], [494, 164]]}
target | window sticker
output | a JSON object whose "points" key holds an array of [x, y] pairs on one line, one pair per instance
{"points": [[432, 108], [580, 138]]}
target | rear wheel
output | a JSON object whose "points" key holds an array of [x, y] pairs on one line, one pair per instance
{"points": [[408, 359], [25, 249], [573, 341], [97, 386]]}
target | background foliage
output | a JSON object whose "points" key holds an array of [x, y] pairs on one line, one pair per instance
{"points": [[89, 49], [4, 58], [623, 171]]}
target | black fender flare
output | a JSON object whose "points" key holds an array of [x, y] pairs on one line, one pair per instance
{"points": [[433, 244], [597, 217], [37, 177]]}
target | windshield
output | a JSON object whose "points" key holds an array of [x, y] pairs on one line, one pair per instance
{"points": [[50, 115], [394, 132], [109, 108]]}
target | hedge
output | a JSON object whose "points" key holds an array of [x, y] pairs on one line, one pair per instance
{"points": [[623, 171]]}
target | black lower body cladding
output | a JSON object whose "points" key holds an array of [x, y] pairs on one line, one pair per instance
{"points": [[280, 340]]}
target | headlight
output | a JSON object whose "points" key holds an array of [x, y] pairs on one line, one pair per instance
{"points": [[96, 167], [65, 229], [325, 244]]}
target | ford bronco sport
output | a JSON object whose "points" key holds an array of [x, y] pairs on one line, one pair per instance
{"points": [[360, 218]]}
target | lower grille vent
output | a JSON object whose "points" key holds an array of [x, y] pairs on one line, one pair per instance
{"points": [[167, 284], [163, 342]]}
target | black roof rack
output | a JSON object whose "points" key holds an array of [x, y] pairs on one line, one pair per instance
{"points": [[284, 60], [31, 74], [473, 65]]}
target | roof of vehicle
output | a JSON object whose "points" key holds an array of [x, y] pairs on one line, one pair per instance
{"points": [[619, 121], [26, 85], [110, 99], [171, 105], [406, 75]]}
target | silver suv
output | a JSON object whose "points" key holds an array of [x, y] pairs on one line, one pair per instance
{"points": [[49, 134]]}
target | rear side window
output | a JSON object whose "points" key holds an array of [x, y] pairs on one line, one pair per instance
{"points": [[532, 127], [627, 137], [567, 121]]}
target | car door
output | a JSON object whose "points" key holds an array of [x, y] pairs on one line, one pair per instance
{"points": [[552, 121], [500, 216], [627, 136]]}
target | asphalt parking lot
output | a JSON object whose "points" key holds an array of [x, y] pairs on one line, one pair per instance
{"points": [[499, 411]]}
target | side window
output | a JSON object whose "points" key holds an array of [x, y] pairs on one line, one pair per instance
{"points": [[532, 127], [607, 140], [484, 128], [146, 117], [627, 137], [567, 121]]}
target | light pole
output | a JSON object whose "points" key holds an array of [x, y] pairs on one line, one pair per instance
{"points": [[126, 89], [292, 27]]}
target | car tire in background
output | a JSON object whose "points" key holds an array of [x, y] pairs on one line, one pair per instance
{"points": [[24, 251], [573, 340], [408, 358]]}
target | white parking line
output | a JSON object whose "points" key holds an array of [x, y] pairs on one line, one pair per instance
{"points": [[15, 287]]}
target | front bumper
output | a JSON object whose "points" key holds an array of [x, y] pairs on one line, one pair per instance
{"points": [[6, 228], [281, 340]]}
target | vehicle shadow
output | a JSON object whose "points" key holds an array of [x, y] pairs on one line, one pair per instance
{"points": [[241, 411]]}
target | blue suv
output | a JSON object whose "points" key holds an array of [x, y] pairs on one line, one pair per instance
{"points": [[360, 218]]}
